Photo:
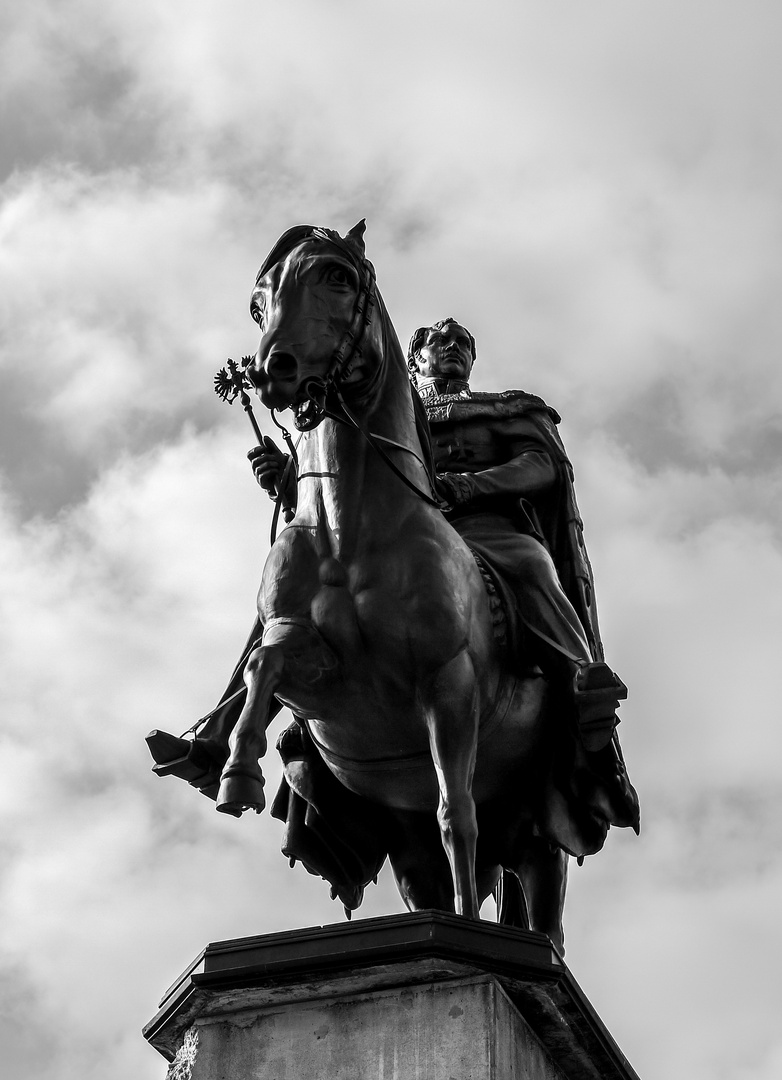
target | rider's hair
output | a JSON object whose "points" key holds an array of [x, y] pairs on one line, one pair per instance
{"points": [[417, 340]]}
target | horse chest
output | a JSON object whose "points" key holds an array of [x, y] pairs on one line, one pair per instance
{"points": [[363, 624]]}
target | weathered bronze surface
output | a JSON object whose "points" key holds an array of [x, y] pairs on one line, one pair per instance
{"points": [[432, 632]]}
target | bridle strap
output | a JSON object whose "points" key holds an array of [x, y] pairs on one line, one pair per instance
{"points": [[374, 442], [349, 349], [346, 354]]}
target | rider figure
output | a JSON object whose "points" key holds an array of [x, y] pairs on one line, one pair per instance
{"points": [[508, 487], [494, 469]]}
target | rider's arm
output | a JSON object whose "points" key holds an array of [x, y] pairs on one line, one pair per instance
{"points": [[269, 464], [527, 471]]}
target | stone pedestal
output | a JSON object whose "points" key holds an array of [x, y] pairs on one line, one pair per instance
{"points": [[426, 996]]}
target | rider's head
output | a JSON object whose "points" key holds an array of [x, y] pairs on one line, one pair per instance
{"points": [[445, 350]]}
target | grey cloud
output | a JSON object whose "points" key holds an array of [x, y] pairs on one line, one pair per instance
{"points": [[656, 428], [70, 96], [731, 833], [29, 1039]]}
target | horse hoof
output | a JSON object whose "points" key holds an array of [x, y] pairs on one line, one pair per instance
{"points": [[241, 790]]}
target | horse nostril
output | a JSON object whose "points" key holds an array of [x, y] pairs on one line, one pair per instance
{"points": [[252, 372], [281, 365]]}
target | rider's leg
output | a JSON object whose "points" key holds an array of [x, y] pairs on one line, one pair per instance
{"points": [[595, 691], [241, 784], [547, 611], [451, 703], [560, 646]]}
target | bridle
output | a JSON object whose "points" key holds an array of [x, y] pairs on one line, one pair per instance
{"points": [[348, 351], [325, 395]]}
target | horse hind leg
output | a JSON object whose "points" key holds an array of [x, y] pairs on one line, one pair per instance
{"points": [[451, 703], [421, 868], [542, 870], [418, 860], [511, 902], [242, 782]]}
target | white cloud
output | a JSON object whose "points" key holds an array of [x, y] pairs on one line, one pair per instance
{"points": [[670, 966], [112, 290]]}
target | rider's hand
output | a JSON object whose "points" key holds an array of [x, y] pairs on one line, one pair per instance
{"points": [[445, 493], [453, 488], [268, 463]]}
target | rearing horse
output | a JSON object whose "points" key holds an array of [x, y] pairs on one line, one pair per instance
{"points": [[377, 628]]}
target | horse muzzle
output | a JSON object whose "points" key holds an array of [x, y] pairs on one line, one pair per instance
{"points": [[277, 379]]}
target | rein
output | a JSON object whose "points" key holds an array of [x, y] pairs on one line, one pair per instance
{"points": [[372, 438], [290, 464], [374, 442]]}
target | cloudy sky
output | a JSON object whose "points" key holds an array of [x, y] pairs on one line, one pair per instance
{"points": [[593, 187]]}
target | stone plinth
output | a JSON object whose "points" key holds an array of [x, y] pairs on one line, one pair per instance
{"points": [[426, 996]]}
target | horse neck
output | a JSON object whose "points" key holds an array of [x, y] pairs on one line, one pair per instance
{"points": [[363, 503]]}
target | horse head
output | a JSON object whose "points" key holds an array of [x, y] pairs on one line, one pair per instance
{"points": [[313, 299]]}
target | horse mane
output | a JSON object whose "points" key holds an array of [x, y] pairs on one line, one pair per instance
{"points": [[392, 349], [296, 235], [287, 242]]}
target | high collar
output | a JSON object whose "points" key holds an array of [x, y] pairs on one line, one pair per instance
{"points": [[434, 387]]}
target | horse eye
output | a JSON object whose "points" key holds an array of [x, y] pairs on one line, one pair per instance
{"points": [[338, 275]]}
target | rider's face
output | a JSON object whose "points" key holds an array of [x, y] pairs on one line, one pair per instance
{"points": [[446, 353]]}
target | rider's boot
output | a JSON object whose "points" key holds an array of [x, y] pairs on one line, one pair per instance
{"points": [[597, 692], [198, 761]]}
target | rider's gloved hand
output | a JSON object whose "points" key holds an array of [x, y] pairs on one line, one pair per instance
{"points": [[268, 463], [453, 488]]}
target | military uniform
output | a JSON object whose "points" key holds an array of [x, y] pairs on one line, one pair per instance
{"points": [[508, 484]]}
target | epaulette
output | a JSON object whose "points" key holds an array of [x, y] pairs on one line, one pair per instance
{"points": [[486, 406]]}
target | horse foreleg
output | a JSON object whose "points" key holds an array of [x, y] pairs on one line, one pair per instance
{"points": [[241, 782], [451, 703]]}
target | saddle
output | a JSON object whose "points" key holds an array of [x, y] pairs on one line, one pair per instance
{"points": [[498, 604]]}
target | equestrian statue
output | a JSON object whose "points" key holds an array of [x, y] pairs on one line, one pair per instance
{"points": [[427, 615]]}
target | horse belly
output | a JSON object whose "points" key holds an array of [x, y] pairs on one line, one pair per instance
{"points": [[402, 784], [377, 745], [394, 767], [357, 727], [511, 756]]}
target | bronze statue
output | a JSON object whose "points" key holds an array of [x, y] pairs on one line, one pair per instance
{"points": [[438, 721]]}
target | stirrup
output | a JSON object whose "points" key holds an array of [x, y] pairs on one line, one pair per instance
{"points": [[189, 759]]}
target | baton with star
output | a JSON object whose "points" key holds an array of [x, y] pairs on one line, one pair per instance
{"points": [[231, 383]]}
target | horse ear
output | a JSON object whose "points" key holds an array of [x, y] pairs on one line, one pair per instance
{"points": [[356, 235]]}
